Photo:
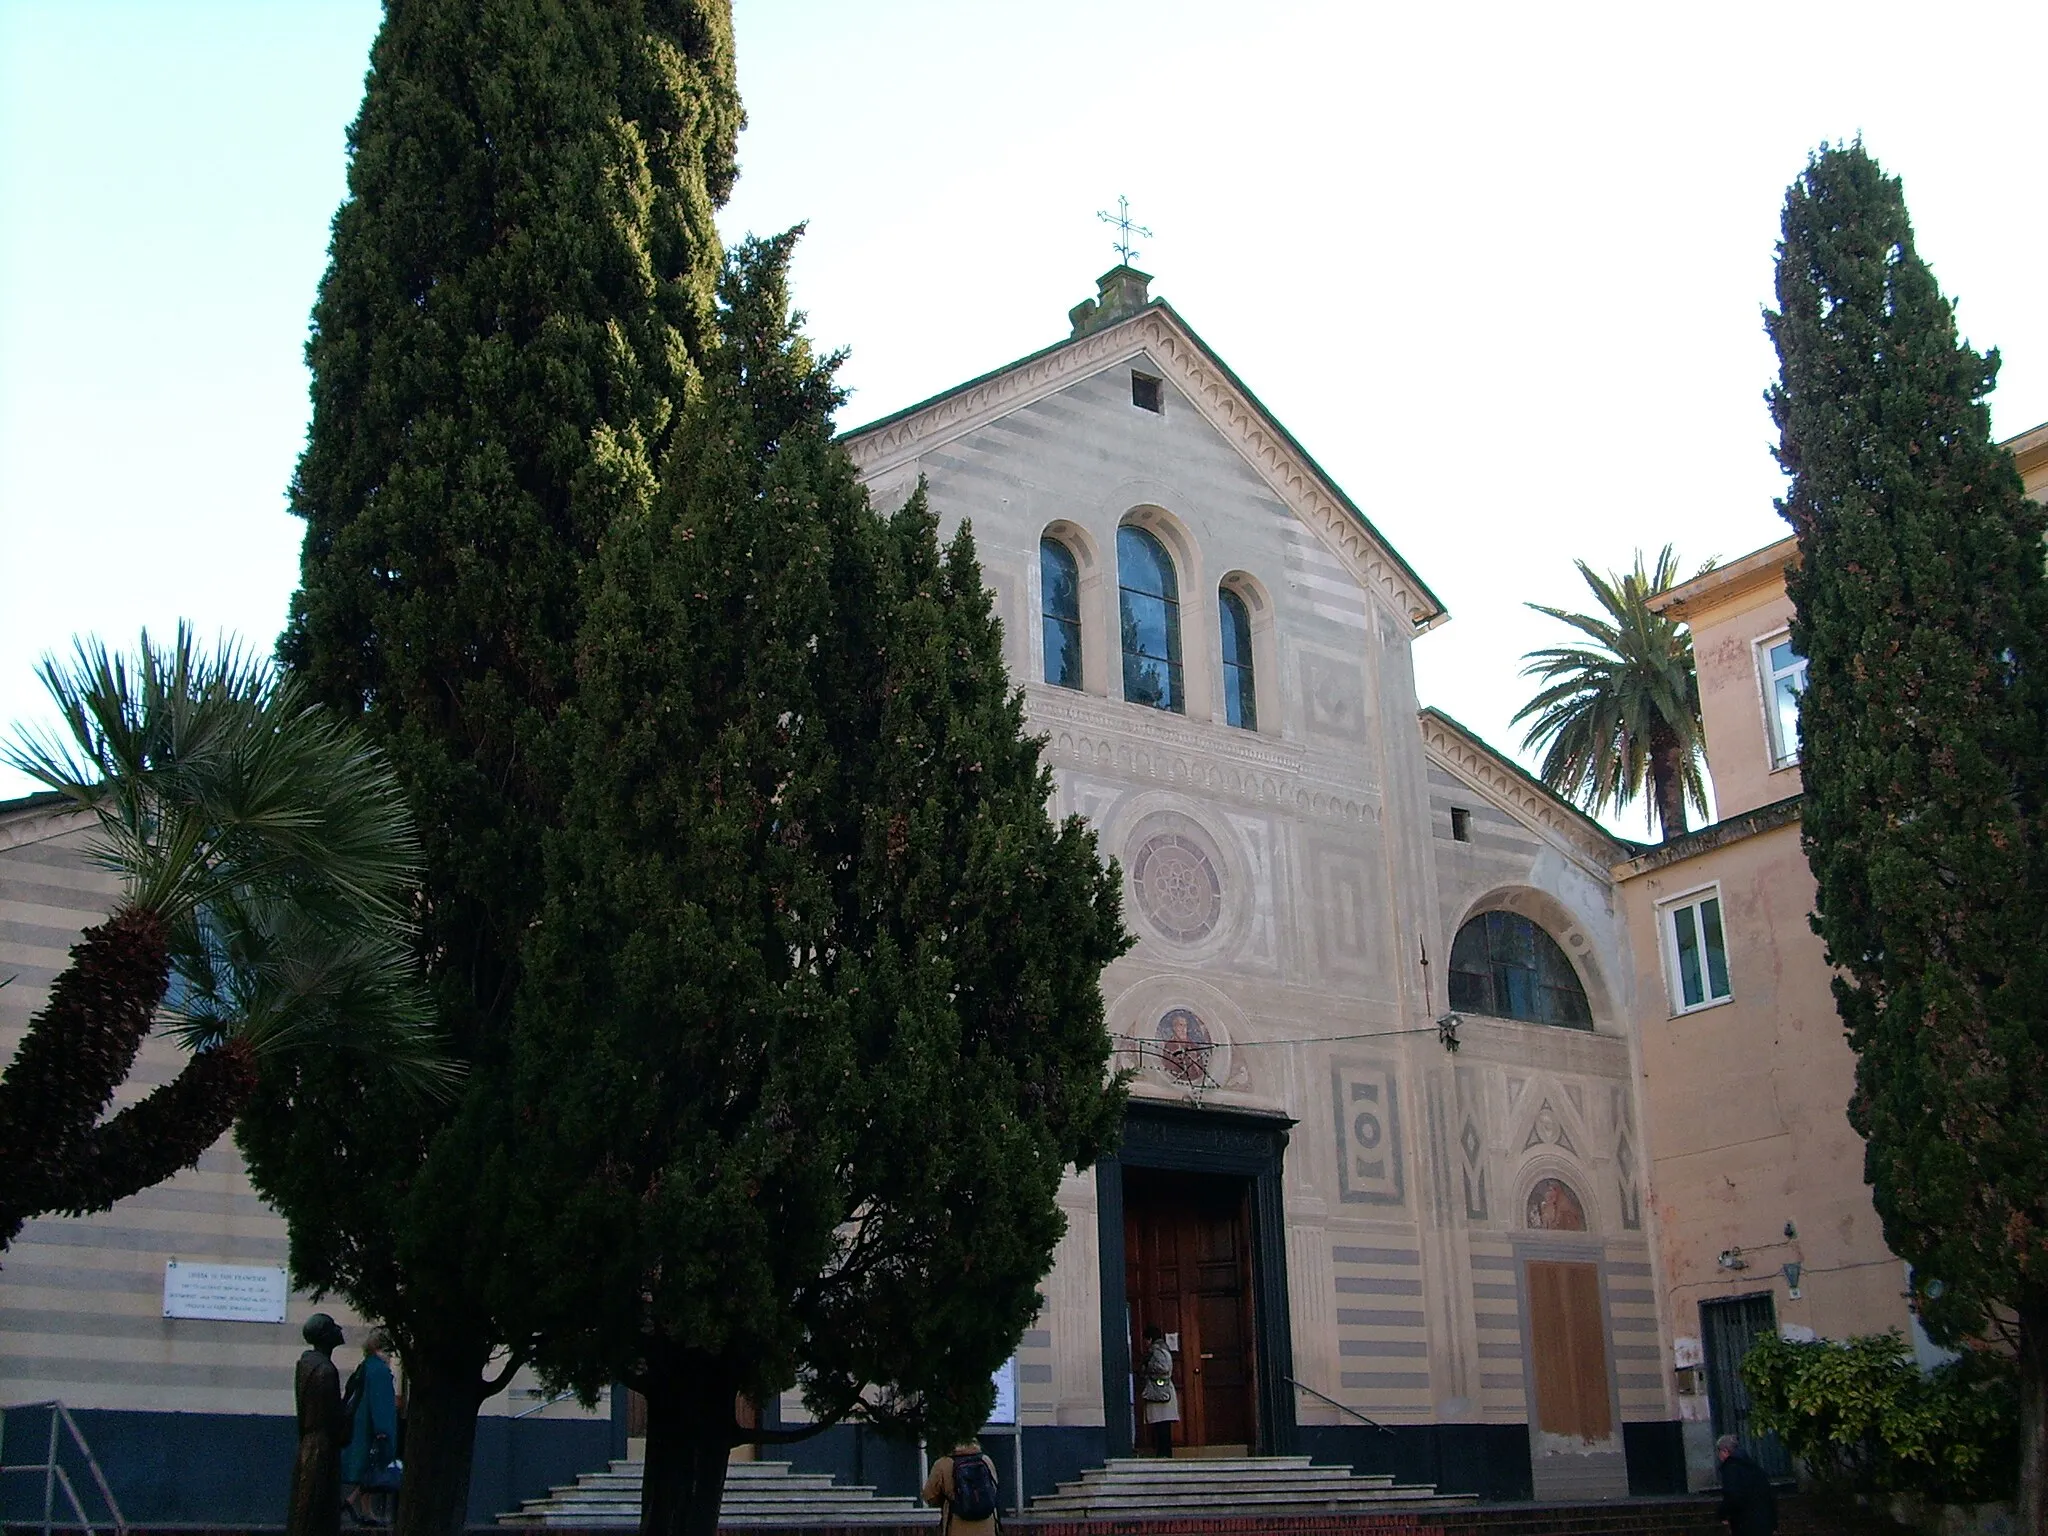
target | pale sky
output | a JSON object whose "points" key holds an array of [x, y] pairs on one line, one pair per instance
{"points": [[1498, 267]]}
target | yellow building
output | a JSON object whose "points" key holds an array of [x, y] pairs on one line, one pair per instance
{"points": [[1763, 1220]]}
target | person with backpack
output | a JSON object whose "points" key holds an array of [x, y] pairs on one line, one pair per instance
{"points": [[965, 1482]]}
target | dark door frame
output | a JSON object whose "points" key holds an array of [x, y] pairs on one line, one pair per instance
{"points": [[1242, 1144]]}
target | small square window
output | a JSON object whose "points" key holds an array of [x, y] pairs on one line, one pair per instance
{"points": [[1145, 392], [1461, 824]]}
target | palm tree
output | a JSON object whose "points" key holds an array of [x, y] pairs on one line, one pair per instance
{"points": [[1625, 706], [266, 861]]}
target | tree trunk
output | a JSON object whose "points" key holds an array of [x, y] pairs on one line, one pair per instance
{"points": [[691, 1431], [2033, 1501], [443, 1391], [76, 1054], [1667, 784]]}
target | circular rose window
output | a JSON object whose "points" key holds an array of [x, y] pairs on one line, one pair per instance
{"points": [[1177, 888]]}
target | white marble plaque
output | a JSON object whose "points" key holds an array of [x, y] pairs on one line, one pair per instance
{"points": [[1005, 1411], [233, 1293]]}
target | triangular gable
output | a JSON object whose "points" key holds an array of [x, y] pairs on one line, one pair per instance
{"points": [[1233, 411], [1506, 784]]}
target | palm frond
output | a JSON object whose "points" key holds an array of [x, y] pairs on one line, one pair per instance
{"points": [[1604, 706], [271, 972], [271, 837]]}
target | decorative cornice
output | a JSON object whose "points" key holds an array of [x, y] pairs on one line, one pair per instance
{"points": [[1090, 735], [1779, 813], [40, 817], [1224, 404], [1514, 791], [1725, 583]]}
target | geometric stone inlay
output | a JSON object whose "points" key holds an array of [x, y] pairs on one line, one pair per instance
{"points": [[1177, 887], [1470, 1142]]}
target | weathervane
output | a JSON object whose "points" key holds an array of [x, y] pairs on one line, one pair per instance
{"points": [[1124, 229]]}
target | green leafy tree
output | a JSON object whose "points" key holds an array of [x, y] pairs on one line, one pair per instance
{"points": [[813, 1024], [1868, 1422], [265, 857], [1922, 610], [518, 287], [1623, 706]]}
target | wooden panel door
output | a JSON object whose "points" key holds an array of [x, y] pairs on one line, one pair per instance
{"points": [[1187, 1269], [1568, 1344]]}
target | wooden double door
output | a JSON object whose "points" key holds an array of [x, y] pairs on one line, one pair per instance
{"points": [[1188, 1269]]}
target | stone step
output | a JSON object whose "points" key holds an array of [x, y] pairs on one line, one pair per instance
{"points": [[1076, 1494], [757, 1493], [1168, 1488], [1102, 1509], [1141, 1487]]}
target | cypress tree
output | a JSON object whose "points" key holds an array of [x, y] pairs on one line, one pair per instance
{"points": [[519, 284], [1922, 610], [814, 1027]]}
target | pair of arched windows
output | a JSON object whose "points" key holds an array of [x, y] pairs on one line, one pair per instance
{"points": [[1148, 615]]}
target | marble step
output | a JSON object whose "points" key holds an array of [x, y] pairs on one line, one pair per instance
{"points": [[1235, 1485], [756, 1493]]}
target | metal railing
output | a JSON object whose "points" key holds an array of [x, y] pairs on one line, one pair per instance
{"points": [[1302, 1386], [53, 1472]]}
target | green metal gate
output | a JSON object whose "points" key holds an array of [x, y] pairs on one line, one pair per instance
{"points": [[1728, 1328]]}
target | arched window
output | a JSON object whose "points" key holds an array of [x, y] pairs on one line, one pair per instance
{"points": [[1240, 696], [1150, 610], [1060, 579], [1504, 965]]}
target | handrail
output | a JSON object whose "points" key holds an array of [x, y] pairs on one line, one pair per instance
{"points": [[1340, 1407], [54, 1475]]}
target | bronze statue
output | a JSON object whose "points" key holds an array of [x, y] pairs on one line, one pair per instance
{"points": [[323, 1430]]}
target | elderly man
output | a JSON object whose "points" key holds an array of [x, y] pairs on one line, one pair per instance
{"points": [[1748, 1505]]}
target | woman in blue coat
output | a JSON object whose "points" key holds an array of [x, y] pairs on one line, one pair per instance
{"points": [[366, 1462]]}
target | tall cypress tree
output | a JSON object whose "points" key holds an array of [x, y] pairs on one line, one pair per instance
{"points": [[1922, 610], [519, 286], [814, 1024]]}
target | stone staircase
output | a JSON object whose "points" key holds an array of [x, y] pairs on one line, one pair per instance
{"points": [[757, 1493], [1147, 1488]]}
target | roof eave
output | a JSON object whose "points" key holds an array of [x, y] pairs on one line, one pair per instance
{"points": [[1435, 612]]}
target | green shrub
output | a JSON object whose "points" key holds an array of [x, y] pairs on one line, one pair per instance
{"points": [[1867, 1421]]}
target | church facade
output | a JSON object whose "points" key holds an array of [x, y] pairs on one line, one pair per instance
{"points": [[1369, 1246]]}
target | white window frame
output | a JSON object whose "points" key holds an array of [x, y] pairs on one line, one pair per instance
{"points": [[1782, 754], [1667, 943]]}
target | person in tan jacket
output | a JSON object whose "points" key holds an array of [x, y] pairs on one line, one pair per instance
{"points": [[943, 1488]]}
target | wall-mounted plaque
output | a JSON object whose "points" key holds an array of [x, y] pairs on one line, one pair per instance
{"points": [[230, 1293]]}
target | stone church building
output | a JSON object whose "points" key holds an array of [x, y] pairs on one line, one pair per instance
{"points": [[1372, 1248]]}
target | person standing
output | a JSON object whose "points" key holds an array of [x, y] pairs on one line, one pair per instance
{"points": [[366, 1463], [323, 1431], [1749, 1507], [1162, 1398], [964, 1481]]}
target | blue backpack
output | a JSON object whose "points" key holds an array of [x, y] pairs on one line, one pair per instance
{"points": [[974, 1488]]}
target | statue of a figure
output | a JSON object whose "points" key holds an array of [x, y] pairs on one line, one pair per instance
{"points": [[323, 1430]]}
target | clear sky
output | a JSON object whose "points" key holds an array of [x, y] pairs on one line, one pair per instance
{"points": [[1499, 267]]}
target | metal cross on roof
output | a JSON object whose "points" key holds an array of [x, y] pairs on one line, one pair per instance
{"points": [[1124, 229]]}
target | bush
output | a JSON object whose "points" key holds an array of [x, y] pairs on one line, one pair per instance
{"points": [[1867, 1421]]}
